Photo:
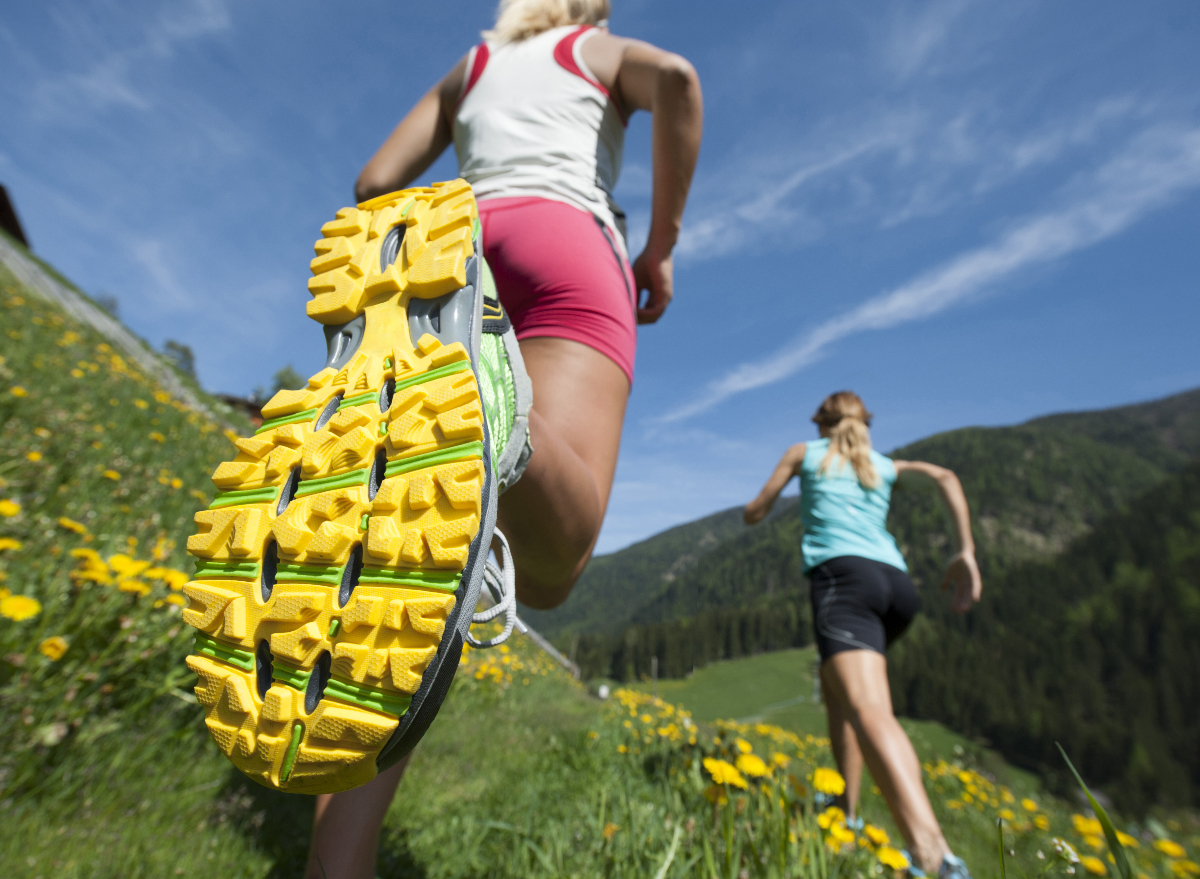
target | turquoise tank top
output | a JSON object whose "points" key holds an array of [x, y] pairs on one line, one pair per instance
{"points": [[840, 516]]}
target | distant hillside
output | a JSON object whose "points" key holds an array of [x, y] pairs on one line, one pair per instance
{"points": [[614, 586], [1033, 488], [1095, 649]]}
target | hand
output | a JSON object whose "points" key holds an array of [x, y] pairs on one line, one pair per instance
{"points": [[654, 274], [963, 574]]}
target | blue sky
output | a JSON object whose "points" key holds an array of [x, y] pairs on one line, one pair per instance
{"points": [[969, 212]]}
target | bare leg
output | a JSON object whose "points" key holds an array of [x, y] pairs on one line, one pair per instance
{"points": [[346, 828], [552, 516], [845, 752], [858, 680]]}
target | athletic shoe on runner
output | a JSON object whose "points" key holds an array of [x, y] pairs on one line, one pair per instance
{"points": [[340, 563], [953, 867]]}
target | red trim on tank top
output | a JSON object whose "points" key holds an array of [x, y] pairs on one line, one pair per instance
{"points": [[478, 61], [564, 54]]}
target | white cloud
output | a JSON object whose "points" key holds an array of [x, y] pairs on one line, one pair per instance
{"points": [[914, 39], [1155, 168]]}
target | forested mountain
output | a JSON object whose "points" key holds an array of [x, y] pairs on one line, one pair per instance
{"points": [[1095, 649], [1032, 488]]}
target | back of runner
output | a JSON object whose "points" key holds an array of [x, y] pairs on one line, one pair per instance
{"points": [[481, 338], [862, 601]]}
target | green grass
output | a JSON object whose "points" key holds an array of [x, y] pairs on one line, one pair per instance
{"points": [[106, 769]]}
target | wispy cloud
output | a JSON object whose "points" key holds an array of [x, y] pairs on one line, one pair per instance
{"points": [[1156, 168]]}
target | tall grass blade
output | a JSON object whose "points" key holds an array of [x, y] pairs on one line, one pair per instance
{"points": [[1000, 846], [1110, 832], [662, 871]]}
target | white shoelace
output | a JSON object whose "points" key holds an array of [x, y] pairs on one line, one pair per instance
{"points": [[501, 583]]}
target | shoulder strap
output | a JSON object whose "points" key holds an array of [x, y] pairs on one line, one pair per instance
{"points": [[477, 59]]}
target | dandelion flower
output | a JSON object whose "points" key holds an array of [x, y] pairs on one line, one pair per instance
{"points": [[893, 858], [831, 816], [610, 830], [141, 404], [9, 508], [111, 474], [1041, 822], [744, 746], [1128, 841], [1170, 848], [753, 765], [829, 781], [19, 607], [1029, 805], [1007, 814], [42, 432], [18, 391], [54, 647], [715, 793], [33, 456], [176, 482], [157, 437], [72, 525], [1185, 868], [877, 835], [9, 543], [1086, 826], [177, 599], [780, 760], [724, 773], [621, 749], [1094, 865]]}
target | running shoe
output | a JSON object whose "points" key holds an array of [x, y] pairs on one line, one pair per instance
{"points": [[340, 562], [952, 867]]}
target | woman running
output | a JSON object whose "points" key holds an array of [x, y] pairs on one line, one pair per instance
{"points": [[862, 601], [537, 116]]}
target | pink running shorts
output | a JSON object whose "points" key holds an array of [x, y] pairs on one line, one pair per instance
{"points": [[559, 274]]}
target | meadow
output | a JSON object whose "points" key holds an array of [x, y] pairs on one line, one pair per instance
{"points": [[107, 770]]}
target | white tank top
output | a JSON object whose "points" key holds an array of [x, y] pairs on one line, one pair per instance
{"points": [[533, 121]]}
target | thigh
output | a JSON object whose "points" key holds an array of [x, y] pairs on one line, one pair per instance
{"points": [[848, 600], [561, 275], [903, 603], [581, 395], [858, 679]]}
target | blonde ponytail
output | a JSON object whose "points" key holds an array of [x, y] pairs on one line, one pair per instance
{"points": [[518, 20], [846, 418]]}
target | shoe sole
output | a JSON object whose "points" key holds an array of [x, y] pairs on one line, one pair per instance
{"points": [[340, 562]]}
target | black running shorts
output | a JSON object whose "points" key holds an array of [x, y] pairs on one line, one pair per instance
{"points": [[860, 604]]}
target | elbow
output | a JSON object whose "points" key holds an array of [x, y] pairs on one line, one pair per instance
{"points": [[370, 184], [677, 75]]}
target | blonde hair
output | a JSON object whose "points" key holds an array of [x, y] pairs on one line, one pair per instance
{"points": [[847, 419], [518, 20]]}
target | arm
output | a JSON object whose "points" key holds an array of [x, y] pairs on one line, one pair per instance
{"points": [[962, 572], [416, 142], [643, 77], [788, 466]]}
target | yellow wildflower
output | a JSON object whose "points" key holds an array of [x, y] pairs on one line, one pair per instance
{"points": [[1185, 868], [33, 456], [157, 437], [1128, 841], [1007, 814], [72, 525], [174, 579], [1094, 841], [877, 835], [18, 391], [176, 482], [133, 586], [1094, 865], [610, 830], [42, 432], [715, 793], [54, 647], [831, 816], [1086, 826], [1170, 848], [9, 508], [111, 474], [829, 781], [780, 759], [1041, 822], [743, 746], [1029, 805], [753, 765], [141, 404], [175, 598], [126, 566], [893, 858], [724, 773], [621, 749], [19, 607], [9, 543]]}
